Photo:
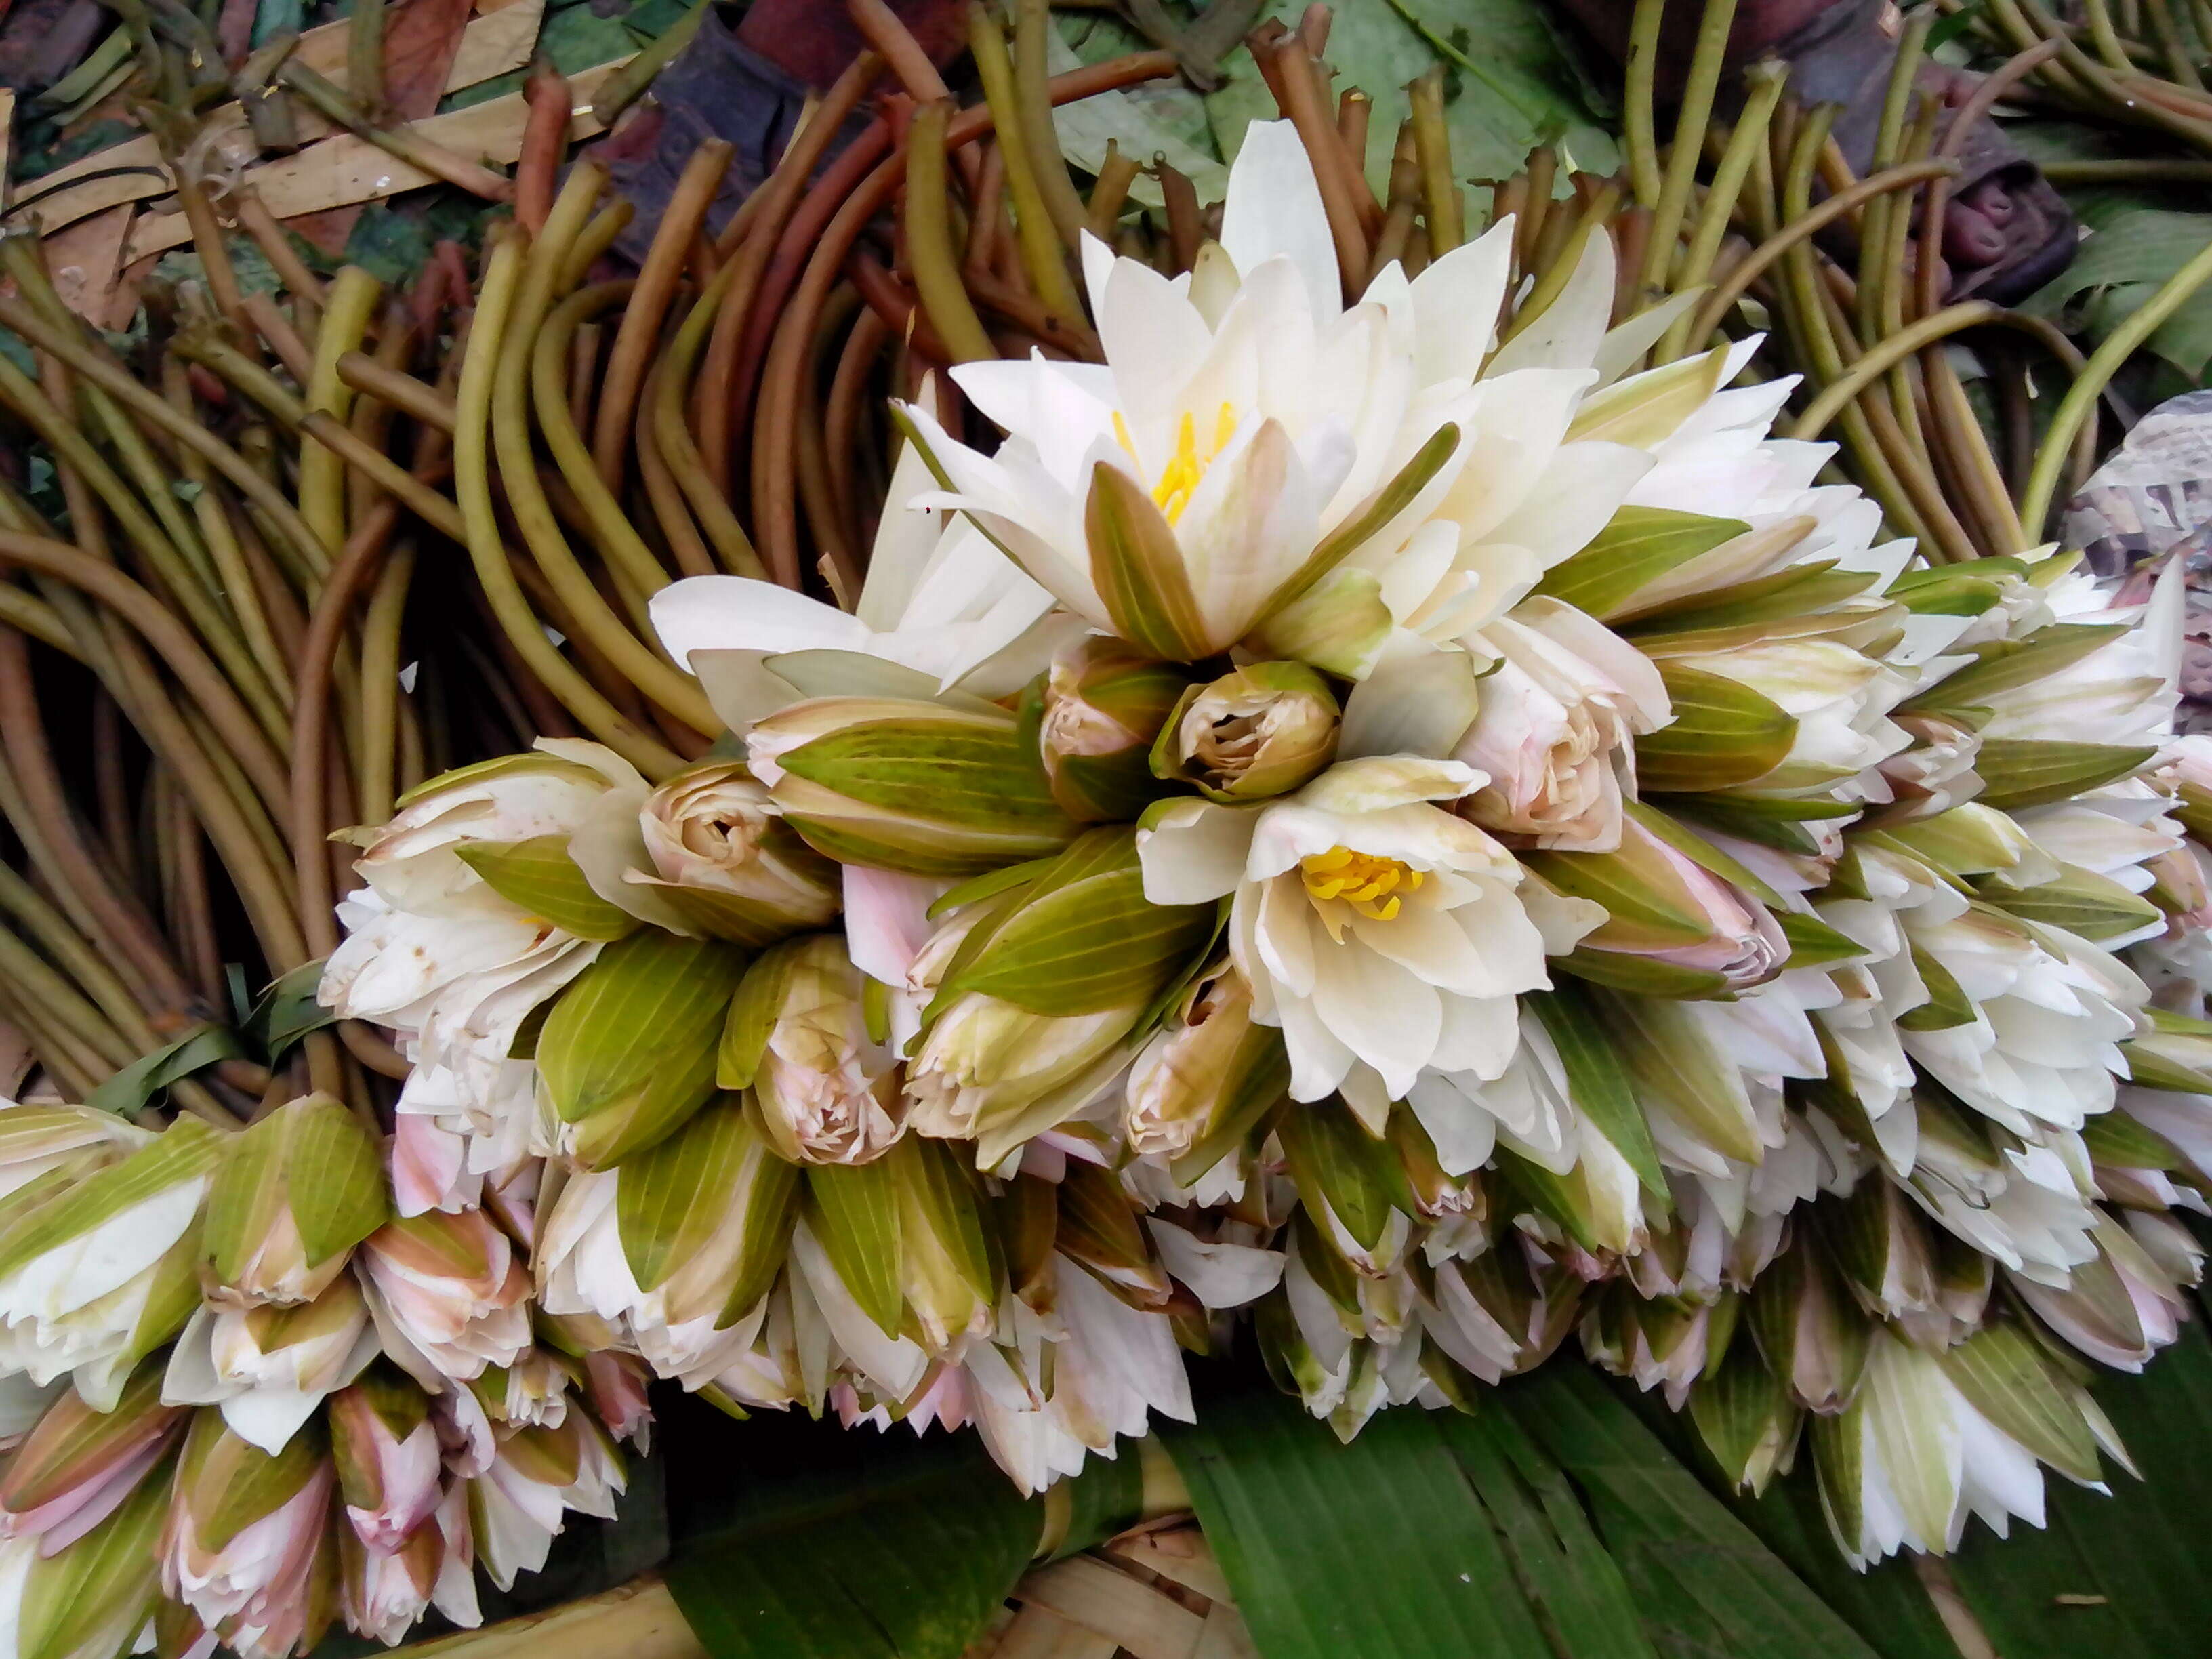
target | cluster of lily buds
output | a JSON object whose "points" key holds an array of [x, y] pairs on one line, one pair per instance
{"points": [[1429, 845]]}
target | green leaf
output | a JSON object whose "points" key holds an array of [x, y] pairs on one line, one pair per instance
{"points": [[1382, 1549], [2124, 259], [1640, 545], [1598, 1082], [853, 1212], [538, 875], [1723, 734], [1137, 565], [904, 1554], [2021, 773], [1084, 939], [287, 1011], [128, 1090], [1702, 1582], [629, 1051]]}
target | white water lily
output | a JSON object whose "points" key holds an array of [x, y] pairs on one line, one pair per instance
{"points": [[939, 600], [1374, 925]]}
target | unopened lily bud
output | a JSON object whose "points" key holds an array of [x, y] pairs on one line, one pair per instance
{"points": [[385, 1448], [519, 1502], [798, 1036], [384, 1594], [1103, 703], [1037, 991], [616, 1384], [97, 1270], [1937, 773], [728, 863], [532, 1391], [1674, 927], [1809, 1333], [949, 1265], [1101, 1228], [1744, 1414], [79, 1464], [929, 788], [294, 1193], [91, 1599], [37, 1139], [245, 1527], [1881, 1247], [268, 1367], [450, 1294], [2120, 1307], [1211, 1068], [627, 1053], [1261, 730], [676, 1248]]}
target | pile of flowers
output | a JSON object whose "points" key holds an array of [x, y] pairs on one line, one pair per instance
{"points": [[1340, 832]]}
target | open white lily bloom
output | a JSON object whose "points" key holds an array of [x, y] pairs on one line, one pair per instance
{"points": [[1374, 927], [938, 600]]}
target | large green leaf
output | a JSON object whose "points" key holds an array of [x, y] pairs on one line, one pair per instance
{"points": [[1704, 1583], [1382, 1549], [904, 1557]]}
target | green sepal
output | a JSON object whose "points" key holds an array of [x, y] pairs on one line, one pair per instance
{"points": [[70, 1597], [2008, 665], [1336, 1162], [311, 1155], [186, 1150], [1701, 852], [1640, 545], [229, 1484], [2118, 1141], [2019, 773], [1948, 1002], [1137, 567], [753, 1013], [1723, 734], [1625, 970], [1645, 410], [956, 768], [629, 1051], [853, 1212], [2002, 1372], [2149, 1069], [942, 1215], [1600, 1085], [1367, 521], [1796, 591], [499, 766], [538, 876], [1084, 939], [1812, 943], [1744, 1414], [2083, 902], [674, 1198]]}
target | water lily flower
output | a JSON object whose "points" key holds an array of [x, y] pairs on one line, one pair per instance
{"points": [[1375, 927]]}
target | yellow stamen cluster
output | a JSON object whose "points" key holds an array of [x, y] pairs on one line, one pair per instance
{"points": [[1370, 884], [1178, 481]]}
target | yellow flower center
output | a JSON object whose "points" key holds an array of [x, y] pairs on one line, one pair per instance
{"points": [[1369, 884], [1178, 480]]}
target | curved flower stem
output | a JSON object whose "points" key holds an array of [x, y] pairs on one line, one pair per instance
{"points": [[1300, 101], [1032, 25], [494, 575], [352, 297], [776, 529], [591, 618], [1928, 272], [1696, 114], [230, 559], [1440, 198], [1042, 256], [671, 436], [928, 222], [1892, 349], [841, 567], [1639, 113], [1766, 81], [1875, 223], [379, 683], [724, 389], [1717, 306], [118, 381], [2082, 397], [648, 303]]}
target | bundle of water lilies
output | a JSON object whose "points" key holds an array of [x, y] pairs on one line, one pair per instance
{"points": [[1355, 806]]}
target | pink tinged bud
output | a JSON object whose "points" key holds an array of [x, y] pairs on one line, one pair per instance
{"points": [[244, 1532], [78, 1465], [449, 1294], [385, 1448], [616, 1385], [384, 1594], [429, 1166]]}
